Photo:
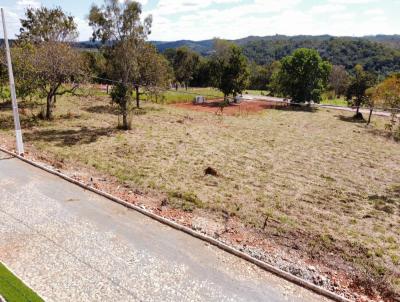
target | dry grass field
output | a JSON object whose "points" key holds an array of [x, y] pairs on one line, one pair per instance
{"points": [[329, 186]]}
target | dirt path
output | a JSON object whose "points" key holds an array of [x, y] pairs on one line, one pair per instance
{"points": [[244, 108], [269, 99]]}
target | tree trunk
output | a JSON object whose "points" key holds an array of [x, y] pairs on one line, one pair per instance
{"points": [[186, 86], [176, 86], [137, 97], [125, 125], [370, 115], [49, 108]]}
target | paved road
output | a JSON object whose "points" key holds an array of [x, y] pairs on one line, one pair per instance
{"points": [[72, 245], [251, 97]]}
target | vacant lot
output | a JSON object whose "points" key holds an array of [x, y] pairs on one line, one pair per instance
{"points": [[313, 181]]}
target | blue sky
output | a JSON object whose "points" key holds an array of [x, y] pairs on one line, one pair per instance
{"points": [[231, 19]]}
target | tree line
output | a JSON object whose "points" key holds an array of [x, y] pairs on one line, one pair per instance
{"points": [[48, 65]]}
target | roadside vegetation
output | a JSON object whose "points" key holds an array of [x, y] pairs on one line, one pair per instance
{"points": [[322, 182], [14, 290]]}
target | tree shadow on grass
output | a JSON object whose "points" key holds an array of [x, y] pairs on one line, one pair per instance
{"points": [[7, 122], [350, 119], [70, 137], [25, 104], [114, 110], [103, 109], [384, 133], [297, 107]]}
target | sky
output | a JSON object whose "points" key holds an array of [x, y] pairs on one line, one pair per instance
{"points": [[233, 19]]}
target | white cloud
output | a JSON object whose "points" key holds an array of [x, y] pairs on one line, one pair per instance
{"points": [[28, 3], [205, 19], [327, 8], [374, 12]]}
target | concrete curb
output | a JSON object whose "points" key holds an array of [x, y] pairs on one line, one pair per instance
{"points": [[265, 266]]}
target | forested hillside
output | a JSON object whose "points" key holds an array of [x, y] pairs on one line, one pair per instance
{"points": [[380, 54], [348, 52]]}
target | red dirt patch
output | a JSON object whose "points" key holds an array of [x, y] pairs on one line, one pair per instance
{"points": [[244, 108]]}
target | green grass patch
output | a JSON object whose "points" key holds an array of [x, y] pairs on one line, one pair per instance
{"points": [[183, 96], [335, 102], [14, 290], [257, 92]]}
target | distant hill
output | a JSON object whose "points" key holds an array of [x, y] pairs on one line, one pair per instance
{"points": [[374, 56], [205, 46], [380, 54], [202, 47]]}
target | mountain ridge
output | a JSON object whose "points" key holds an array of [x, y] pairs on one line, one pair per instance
{"points": [[205, 46]]}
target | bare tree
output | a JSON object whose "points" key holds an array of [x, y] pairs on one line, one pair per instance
{"points": [[339, 80]]}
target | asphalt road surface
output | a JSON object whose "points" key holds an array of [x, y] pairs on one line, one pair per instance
{"points": [[69, 244]]}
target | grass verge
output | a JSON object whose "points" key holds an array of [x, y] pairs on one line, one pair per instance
{"points": [[14, 290]]}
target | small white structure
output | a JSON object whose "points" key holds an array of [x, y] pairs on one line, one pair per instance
{"points": [[199, 100], [238, 99]]}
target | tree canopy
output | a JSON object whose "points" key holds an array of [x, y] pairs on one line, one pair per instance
{"points": [[303, 75], [44, 63], [229, 68], [185, 63], [119, 27], [356, 93], [45, 25], [49, 69]]}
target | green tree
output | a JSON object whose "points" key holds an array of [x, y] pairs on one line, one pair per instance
{"points": [[154, 72], [119, 27], [274, 70], [49, 68], [259, 77], [202, 75], [45, 25], [185, 64], [356, 93], [3, 76], [45, 64], [303, 76], [229, 69], [97, 65]]}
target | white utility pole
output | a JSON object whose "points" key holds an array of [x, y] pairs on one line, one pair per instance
{"points": [[18, 132]]}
